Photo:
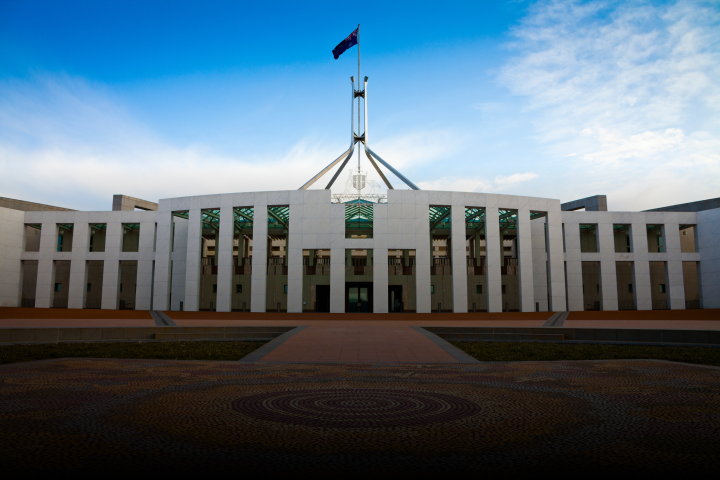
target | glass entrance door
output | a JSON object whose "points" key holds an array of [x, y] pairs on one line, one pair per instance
{"points": [[353, 299], [358, 299]]}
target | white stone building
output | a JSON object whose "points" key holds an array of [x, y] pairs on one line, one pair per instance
{"points": [[413, 251]]}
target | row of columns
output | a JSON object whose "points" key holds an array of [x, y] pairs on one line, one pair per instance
{"points": [[607, 257], [224, 256], [78, 258]]}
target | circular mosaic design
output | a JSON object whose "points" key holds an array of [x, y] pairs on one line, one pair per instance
{"points": [[355, 408]]}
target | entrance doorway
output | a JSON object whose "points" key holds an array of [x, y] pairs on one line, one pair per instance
{"points": [[358, 297], [322, 298], [395, 299]]}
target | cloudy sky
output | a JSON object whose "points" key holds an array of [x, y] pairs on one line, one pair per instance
{"points": [[558, 99]]}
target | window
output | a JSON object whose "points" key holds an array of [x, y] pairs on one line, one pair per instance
{"points": [[504, 290], [662, 287], [629, 287], [432, 289], [214, 287], [285, 289], [59, 245], [89, 286], [92, 237], [238, 288], [478, 289], [660, 244], [58, 287]]}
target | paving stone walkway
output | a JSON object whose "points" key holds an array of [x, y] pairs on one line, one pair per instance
{"points": [[360, 343], [126, 417]]}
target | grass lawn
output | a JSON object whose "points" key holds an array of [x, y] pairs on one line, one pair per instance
{"points": [[205, 350], [541, 351]]}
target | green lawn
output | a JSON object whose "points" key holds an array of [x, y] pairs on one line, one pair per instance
{"points": [[205, 350], [540, 351]]}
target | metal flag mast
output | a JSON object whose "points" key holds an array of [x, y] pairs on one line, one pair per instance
{"points": [[358, 138]]}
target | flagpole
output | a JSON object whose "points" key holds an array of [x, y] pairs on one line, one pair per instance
{"points": [[358, 84]]}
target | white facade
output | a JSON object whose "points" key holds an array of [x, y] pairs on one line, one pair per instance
{"points": [[401, 223]]}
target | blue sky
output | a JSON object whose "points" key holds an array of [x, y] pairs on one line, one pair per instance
{"points": [[558, 99]]}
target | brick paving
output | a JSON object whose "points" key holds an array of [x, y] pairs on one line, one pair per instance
{"points": [[359, 343], [152, 417]]}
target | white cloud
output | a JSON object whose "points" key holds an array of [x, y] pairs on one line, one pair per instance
{"points": [[67, 143], [477, 184], [623, 94]]}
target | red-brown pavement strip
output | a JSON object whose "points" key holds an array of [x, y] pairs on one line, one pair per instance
{"points": [[359, 343], [74, 322], [654, 324]]}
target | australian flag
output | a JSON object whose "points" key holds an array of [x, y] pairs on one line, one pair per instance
{"points": [[351, 40]]}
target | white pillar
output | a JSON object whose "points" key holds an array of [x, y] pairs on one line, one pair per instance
{"points": [[143, 294], [708, 246], [111, 266], [224, 254], [638, 231], [45, 275], [556, 257], [77, 289], [573, 264], [423, 257], [525, 261], [539, 260], [494, 255], [676, 282], [192, 266], [608, 270], [295, 257], [458, 258], [163, 251], [380, 280], [12, 236], [259, 258], [337, 280], [178, 264]]}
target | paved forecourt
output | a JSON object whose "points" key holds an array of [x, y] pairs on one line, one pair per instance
{"points": [[91, 416]]}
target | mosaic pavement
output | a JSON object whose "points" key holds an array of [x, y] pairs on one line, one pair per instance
{"points": [[170, 417]]}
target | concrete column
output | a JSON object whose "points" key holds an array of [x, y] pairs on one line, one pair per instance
{"points": [[708, 234], [163, 251], [458, 259], [45, 275], [295, 258], [224, 253], [259, 258], [380, 280], [638, 232], [143, 294], [556, 257], [539, 261], [77, 289], [423, 257], [608, 270], [494, 253], [12, 236], [192, 267], [676, 282], [111, 266], [337, 280], [178, 265], [573, 265], [525, 261]]}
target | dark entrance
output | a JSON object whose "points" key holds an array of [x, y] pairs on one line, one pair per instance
{"points": [[359, 297], [322, 298], [395, 303]]}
